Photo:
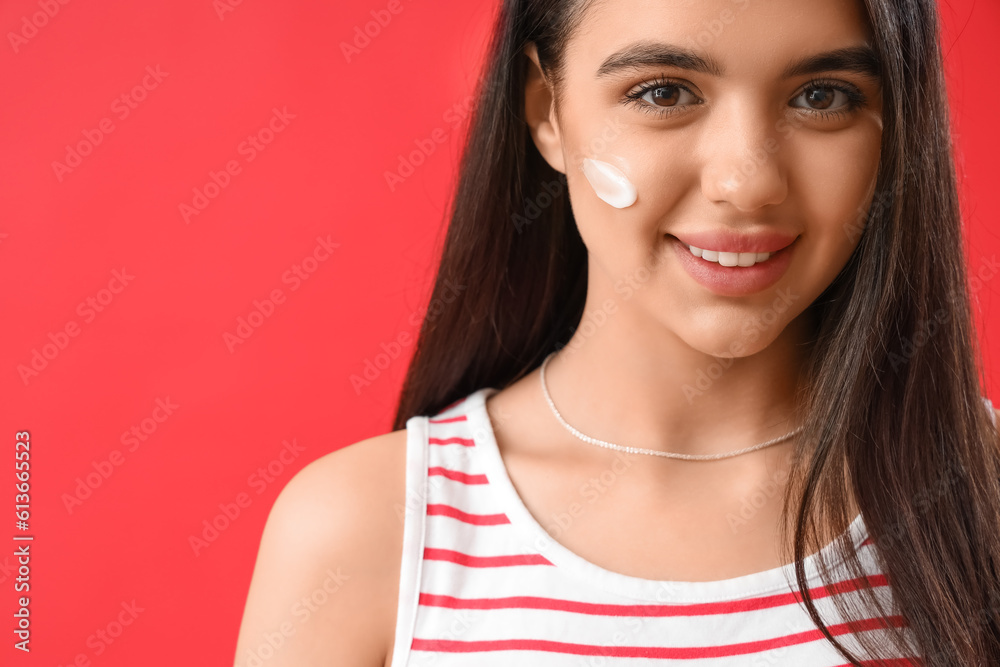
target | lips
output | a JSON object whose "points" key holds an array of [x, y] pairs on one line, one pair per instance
{"points": [[727, 240], [736, 281]]}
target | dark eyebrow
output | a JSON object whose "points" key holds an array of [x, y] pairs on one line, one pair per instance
{"points": [[859, 59]]}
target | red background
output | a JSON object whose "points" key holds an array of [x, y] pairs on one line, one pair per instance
{"points": [[162, 336]]}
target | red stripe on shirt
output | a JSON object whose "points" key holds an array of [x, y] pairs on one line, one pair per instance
{"points": [[484, 561], [447, 420], [641, 610], [454, 440], [478, 519], [457, 475], [663, 652]]}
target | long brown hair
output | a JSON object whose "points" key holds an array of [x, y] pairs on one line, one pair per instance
{"points": [[894, 416]]}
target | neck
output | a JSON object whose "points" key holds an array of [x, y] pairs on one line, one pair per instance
{"points": [[642, 386]]}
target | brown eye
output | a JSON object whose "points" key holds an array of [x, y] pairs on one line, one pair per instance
{"points": [[821, 98], [662, 97], [830, 99], [665, 96]]}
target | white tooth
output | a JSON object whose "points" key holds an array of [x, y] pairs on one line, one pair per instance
{"points": [[728, 258], [743, 259]]}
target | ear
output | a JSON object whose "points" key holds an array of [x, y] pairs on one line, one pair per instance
{"points": [[540, 112]]}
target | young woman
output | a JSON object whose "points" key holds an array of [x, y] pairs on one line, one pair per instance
{"points": [[708, 391]]}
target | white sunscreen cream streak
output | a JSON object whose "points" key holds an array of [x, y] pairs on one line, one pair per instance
{"points": [[610, 184]]}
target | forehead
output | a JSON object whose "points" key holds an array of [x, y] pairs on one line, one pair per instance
{"points": [[758, 38]]}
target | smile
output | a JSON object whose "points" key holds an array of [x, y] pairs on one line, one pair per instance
{"points": [[733, 274], [729, 258]]}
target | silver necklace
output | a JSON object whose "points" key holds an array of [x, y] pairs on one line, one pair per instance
{"points": [[654, 452]]}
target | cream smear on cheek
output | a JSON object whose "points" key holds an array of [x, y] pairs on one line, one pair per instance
{"points": [[610, 183]]}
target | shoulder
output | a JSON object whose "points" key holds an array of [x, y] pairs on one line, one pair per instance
{"points": [[328, 564], [352, 488], [360, 469]]}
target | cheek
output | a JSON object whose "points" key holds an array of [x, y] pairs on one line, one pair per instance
{"points": [[606, 197], [622, 184], [836, 194], [610, 184], [836, 179]]}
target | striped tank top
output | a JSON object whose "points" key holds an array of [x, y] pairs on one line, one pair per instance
{"points": [[482, 583]]}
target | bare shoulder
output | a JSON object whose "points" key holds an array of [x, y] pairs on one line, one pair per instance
{"points": [[325, 583]]}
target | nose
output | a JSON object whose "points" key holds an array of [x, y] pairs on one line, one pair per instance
{"points": [[742, 164]]}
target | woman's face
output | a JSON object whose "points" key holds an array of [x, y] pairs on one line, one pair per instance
{"points": [[736, 136]]}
